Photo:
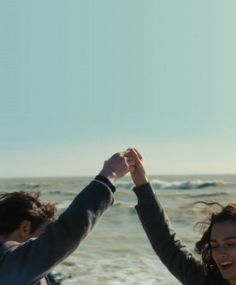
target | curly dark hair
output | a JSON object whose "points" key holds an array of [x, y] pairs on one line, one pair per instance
{"points": [[202, 247], [16, 207]]}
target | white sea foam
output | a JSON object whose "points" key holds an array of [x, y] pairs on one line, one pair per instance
{"points": [[188, 184]]}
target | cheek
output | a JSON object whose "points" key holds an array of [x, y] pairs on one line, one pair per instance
{"points": [[232, 252], [229, 251], [213, 255]]}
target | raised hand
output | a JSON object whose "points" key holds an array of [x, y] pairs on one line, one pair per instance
{"points": [[136, 167], [115, 167]]}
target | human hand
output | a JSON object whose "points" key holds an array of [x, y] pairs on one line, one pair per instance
{"points": [[136, 167], [115, 167]]}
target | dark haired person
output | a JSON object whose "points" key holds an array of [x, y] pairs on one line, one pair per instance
{"points": [[23, 216], [31, 243], [217, 246]]}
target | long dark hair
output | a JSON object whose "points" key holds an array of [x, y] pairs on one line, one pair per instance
{"points": [[202, 247]]}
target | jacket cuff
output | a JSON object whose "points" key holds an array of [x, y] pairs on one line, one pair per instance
{"points": [[105, 181]]}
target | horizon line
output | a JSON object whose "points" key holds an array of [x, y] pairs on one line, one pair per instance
{"points": [[89, 176]]}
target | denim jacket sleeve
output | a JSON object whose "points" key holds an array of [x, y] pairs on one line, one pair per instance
{"points": [[179, 261]]}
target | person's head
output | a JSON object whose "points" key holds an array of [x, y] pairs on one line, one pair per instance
{"points": [[218, 244], [23, 215]]}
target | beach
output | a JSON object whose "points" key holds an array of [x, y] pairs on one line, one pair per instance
{"points": [[117, 250]]}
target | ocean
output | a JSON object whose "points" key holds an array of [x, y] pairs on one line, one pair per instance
{"points": [[117, 250]]}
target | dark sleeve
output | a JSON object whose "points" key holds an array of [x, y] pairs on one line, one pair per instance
{"points": [[29, 262], [180, 262]]}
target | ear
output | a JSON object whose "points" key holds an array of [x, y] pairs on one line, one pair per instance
{"points": [[24, 230]]}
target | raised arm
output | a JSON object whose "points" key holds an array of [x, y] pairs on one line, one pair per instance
{"points": [[180, 262], [27, 263]]}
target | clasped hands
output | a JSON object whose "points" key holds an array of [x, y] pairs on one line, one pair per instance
{"points": [[119, 164]]}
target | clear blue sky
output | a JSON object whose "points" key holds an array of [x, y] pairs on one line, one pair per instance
{"points": [[82, 79]]}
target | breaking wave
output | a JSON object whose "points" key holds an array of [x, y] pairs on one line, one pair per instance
{"points": [[183, 185]]}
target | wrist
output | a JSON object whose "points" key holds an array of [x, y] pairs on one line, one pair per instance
{"points": [[139, 182], [106, 181], [108, 175]]}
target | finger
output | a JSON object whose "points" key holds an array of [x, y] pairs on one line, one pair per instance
{"points": [[131, 152], [138, 153], [126, 153]]}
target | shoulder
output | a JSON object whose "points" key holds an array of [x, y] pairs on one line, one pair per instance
{"points": [[8, 246]]}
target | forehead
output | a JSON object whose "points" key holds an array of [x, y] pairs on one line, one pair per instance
{"points": [[223, 230]]}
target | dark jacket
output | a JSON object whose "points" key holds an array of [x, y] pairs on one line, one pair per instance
{"points": [[27, 263], [180, 262]]}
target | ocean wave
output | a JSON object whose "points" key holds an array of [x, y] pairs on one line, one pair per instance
{"points": [[191, 184], [28, 186], [125, 184], [183, 185]]}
